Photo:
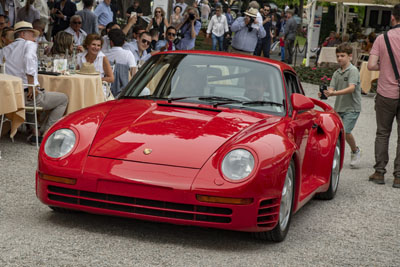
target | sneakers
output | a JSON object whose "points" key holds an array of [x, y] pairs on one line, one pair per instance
{"points": [[379, 178], [32, 140], [396, 182], [355, 158]]}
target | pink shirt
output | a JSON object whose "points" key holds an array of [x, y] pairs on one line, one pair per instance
{"points": [[387, 84]]}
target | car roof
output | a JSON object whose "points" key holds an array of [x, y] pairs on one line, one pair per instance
{"points": [[280, 65]]}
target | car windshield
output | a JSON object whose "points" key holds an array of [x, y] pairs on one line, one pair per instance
{"points": [[214, 80]]}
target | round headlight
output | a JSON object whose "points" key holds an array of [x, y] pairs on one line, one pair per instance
{"points": [[237, 164], [59, 143]]}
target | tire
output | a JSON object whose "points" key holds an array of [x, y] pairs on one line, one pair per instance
{"points": [[280, 231], [335, 175]]}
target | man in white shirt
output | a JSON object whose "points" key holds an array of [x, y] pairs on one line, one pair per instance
{"points": [[75, 30], [218, 26], [21, 60], [118, 55]]}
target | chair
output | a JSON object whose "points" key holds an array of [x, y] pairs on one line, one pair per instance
{"points": [[121, 78], [33, 109]]}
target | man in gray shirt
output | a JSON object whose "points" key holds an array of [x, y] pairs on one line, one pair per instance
{"points": [[289, 36], [89, 19], [247, 31]]}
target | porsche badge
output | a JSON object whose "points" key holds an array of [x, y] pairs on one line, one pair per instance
{"points": [[147, 151]]}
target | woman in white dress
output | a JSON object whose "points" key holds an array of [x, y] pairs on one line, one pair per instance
{"points": [[93, 54]]}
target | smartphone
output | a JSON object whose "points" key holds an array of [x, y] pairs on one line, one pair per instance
{"points": [[133, 14], [322, 88]]}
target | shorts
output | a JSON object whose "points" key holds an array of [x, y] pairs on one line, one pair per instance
{"points": [[349, 120]]}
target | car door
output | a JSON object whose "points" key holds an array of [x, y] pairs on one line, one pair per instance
{"points": [[304, 129]]}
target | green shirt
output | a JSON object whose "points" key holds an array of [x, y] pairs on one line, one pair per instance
{"points": [[341, 80]]}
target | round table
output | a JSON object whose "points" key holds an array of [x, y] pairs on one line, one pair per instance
{"points": [[367, 77], [12, 101], [82, 90]]}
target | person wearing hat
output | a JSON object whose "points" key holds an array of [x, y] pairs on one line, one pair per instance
{"points": [[247, 30], [22, 61]]}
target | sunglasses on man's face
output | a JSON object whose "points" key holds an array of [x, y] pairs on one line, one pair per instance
{"points": [[146, 42], [171, 34], [77, 22]]}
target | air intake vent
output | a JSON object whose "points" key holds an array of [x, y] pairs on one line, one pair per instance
{"points": [[140, 206], [268, 213]]}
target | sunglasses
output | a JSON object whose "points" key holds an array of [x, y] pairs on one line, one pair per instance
{"points": [[268, 10], [171, 34], [77, 22], [146, 42], [158, 11]]}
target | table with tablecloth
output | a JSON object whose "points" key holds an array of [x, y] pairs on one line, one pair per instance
{"points": [[328, 55], [12, 101], [82, 90], [367, 77]]}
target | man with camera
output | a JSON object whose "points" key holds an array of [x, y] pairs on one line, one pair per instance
{"points": [[247, 30], [189, 29]]}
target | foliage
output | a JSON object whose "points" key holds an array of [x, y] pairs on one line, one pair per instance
{"points": [[314, 75]]}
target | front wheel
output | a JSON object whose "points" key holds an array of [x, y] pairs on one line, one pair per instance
{"points": [[335, 174], [280, 231]]}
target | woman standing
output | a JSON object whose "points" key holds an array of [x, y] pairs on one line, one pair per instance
{"points": [[93, 54], [29, 13], [176, 18], [158, 22]]}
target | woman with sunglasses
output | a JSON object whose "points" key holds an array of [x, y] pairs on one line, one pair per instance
{"points": [[75, 30], [159, 22], [168, 43]]}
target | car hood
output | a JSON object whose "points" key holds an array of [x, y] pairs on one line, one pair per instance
{"points": [[184, 135]]}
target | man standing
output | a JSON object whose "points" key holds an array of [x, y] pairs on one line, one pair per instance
{"points": [[89, 19], [247, 30], [135, 8], [62, 11], [264, 44], [387, 105], [289, 36], [75, 30], [104, 14], [22, 62], [218, 26]]}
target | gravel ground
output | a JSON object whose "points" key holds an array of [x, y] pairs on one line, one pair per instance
{"points": [[360, 227]]}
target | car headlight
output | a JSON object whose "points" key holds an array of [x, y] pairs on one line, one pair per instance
{"points": [[59, 143], [237, 164]]}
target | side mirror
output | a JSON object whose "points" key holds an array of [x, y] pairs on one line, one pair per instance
{"points": [[300, 102]]}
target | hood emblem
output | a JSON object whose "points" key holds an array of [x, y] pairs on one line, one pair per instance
{"points": [[147, 151]]}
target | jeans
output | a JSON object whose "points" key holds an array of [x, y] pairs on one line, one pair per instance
{"points": [[220, 40], [289, 44], [282, 53], [386, 110], [263, 45]]}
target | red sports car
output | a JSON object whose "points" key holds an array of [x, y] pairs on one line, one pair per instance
{"points": [[197, 138]]}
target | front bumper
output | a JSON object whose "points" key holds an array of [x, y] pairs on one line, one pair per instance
{"points": [[104, 188]]}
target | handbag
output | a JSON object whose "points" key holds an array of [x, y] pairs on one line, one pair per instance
{"points": [[392, 60]]}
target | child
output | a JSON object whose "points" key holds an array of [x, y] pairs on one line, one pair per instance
{"points": [[345, 84], [282, 46]]}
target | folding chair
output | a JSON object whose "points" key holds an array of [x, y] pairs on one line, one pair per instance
{"points": [[34, 109]]}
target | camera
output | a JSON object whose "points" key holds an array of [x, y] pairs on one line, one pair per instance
{"points": [[250, 25], [322, 88], [192, 16]]}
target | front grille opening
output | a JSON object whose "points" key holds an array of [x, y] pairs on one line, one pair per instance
{"points": [[140, 206], [268, 212]]}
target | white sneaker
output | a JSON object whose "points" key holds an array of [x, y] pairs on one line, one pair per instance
{"points": [[355, 158]]}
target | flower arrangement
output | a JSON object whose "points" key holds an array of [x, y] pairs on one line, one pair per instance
{"points": [[313, 74]]}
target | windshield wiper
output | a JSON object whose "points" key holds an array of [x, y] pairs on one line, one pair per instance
{"points": [[262, 103], [225, 100], [180, 98]]}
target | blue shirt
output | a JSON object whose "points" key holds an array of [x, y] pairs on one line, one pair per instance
{"points": [[135, 51], [162, 43], [187, 42], [104, 14], [244, 39], [229, 18]]}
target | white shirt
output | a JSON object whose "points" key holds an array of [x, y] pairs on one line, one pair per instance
{"points": [[21, 59], [78, 39], [121, 56], [218, 25], [106, 44], [98, 62]]}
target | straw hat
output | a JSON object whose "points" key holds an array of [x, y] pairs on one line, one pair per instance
{"points": [[88, 69], [205, 2], [25, 26], [252, 12]]}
